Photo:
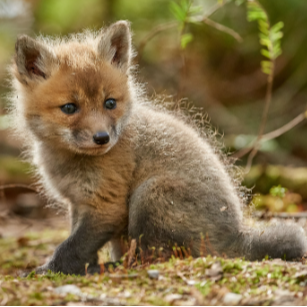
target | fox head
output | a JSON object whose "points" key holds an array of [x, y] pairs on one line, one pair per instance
{"points": [[75, 93]]}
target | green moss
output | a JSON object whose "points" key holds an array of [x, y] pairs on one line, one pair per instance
{"points": [[239, 276]]}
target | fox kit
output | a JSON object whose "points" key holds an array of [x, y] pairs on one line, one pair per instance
{"points": [[122, 166]]}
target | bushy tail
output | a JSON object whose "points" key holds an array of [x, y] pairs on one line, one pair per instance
{"points": [[285, 241]]}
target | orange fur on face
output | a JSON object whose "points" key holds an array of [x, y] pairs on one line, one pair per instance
{"points": [[88, 85]]}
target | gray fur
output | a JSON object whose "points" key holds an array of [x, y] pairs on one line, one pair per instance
{"points": [[159, 178]]}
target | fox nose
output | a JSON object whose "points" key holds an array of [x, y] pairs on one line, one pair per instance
{"points": [[101, 138]]}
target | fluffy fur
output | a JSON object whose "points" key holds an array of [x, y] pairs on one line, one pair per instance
{"points": [[157, 177]]}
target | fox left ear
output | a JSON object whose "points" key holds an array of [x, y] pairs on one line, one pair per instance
{"points": [[115, 45], [33, 60]]}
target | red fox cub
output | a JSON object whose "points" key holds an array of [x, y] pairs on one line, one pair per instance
{"points": [[123, 167]]}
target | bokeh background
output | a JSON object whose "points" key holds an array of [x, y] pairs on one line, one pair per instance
{"points": [[215, 72]]}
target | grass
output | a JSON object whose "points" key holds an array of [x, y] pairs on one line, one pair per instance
{"points": [[202, 281]]}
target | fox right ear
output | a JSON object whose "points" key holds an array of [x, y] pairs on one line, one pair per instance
{"points": [[115, 45], [33, 59]]}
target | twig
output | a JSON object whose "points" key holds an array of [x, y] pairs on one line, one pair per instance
{"points": [[214, 8], [153, 33], [13, 186], [223, 28], [160, 28], [268, 99], [273, 134], [294, 122]]}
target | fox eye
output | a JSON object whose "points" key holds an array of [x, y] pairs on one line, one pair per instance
{"points": [[69, 108], [110, 104]]}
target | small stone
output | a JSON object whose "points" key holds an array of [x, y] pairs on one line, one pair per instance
{"points": [[172, 297], [68, 289], [232, 298], [215, 272], [191, 282], [154, 274]]}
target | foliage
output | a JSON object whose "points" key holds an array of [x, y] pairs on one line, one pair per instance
{"points": [[270, 37], [186, 12], [182, 13], [278, 191]]}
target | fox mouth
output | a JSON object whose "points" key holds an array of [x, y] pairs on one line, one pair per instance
{"points": [[95, 149]]}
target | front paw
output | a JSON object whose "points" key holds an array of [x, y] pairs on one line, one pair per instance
{"points": [[42, 270]]}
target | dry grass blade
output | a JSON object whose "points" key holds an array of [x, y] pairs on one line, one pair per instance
{"points": [[131, 252]]}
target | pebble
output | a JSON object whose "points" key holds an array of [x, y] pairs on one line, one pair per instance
{"points": [[154, 274], [68, 289], [173, 297], [232, 298]]}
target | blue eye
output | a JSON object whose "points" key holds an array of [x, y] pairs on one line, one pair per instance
{"points": [[69, 108], [110, 104]]}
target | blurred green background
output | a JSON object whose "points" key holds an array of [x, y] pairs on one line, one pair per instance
{"points": [[219, 74]]}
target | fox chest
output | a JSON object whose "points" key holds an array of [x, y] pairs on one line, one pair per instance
{"points": [[86, 179], [73, 182]]}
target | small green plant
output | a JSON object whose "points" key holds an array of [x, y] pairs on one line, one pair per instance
{"points": [[182, 12], [270, 36], [278, 191], [270, 39]]}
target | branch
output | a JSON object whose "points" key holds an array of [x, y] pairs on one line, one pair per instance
{"points": [[160, 28], [294, 122], [223, 28], [13, 186], [273, 134], [155, 31]]}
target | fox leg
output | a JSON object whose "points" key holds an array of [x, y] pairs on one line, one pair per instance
{"points": [[89, 234], [74, 217], [160, 216], [116, 249]]}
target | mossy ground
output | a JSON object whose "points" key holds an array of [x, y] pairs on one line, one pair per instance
{"points": [[204, 281]]}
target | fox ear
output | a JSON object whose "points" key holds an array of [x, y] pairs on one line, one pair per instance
{"points": [[115, 45], [33, 59]]}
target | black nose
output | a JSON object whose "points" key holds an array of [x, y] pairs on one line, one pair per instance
{"points": [[101, 138]]}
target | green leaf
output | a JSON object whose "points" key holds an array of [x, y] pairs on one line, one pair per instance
{"points": [[276, 36], [266, 53], [255, 11], [195, 9], [264, 41], [278, 191], [185, 5], [177, 11], [263, 27], [185, 39], [277, 51], [266, 67], [277, 27]]}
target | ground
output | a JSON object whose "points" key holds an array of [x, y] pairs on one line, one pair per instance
{"points": [[207, 280]]}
